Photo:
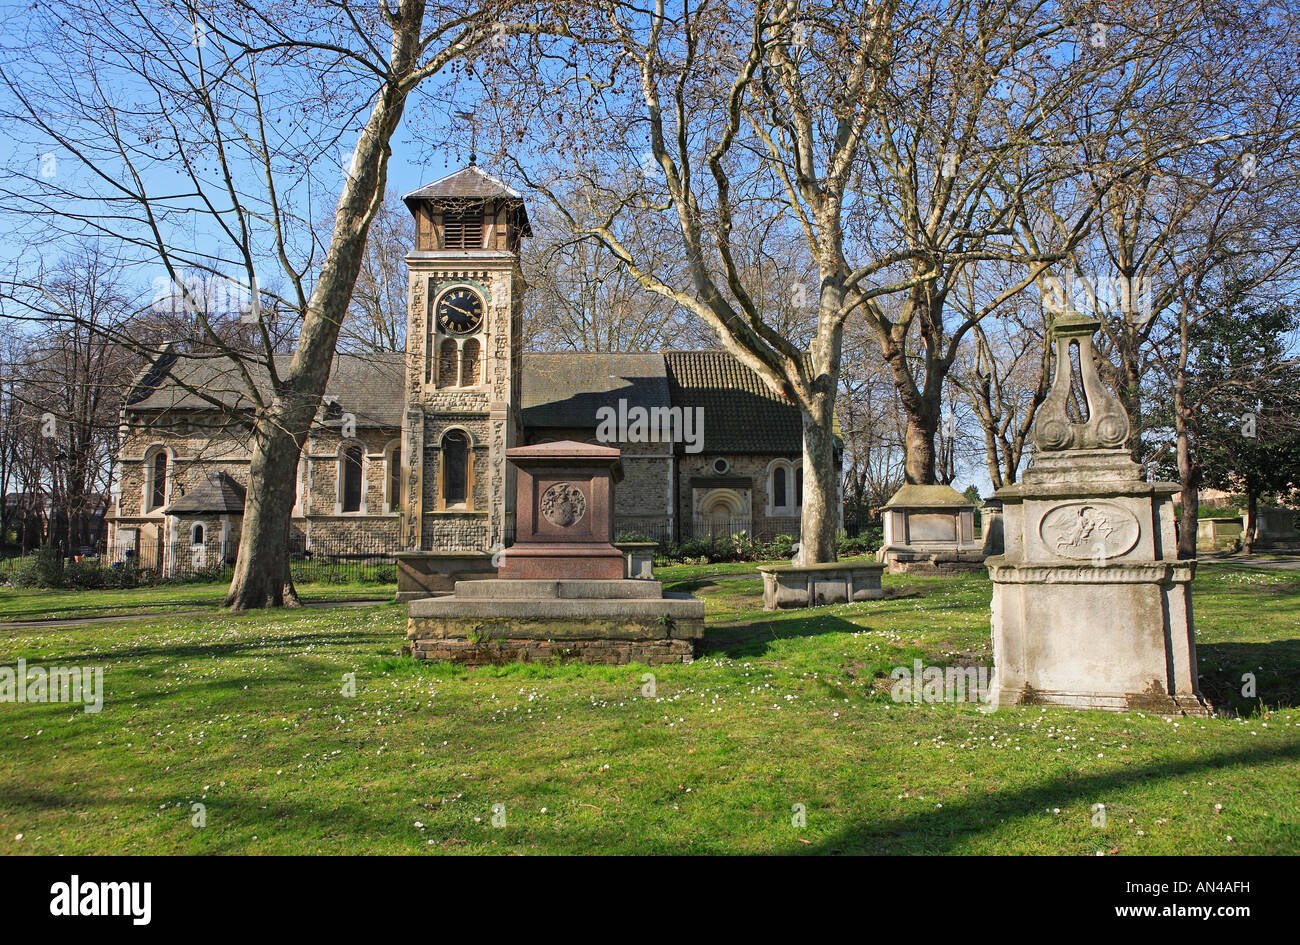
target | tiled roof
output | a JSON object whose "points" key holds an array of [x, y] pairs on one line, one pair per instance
{"points": [[369, 386], [565, 389], [217, 493], [558, 390], [741, 413], [468, 183]]}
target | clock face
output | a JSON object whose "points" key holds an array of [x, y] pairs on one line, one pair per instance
{"points": [[460, 310]]}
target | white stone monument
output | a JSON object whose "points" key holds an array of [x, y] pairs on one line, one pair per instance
{"points": [[1091, 606]]}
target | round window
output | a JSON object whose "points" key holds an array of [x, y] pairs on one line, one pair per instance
{"points": [[721, 466]]}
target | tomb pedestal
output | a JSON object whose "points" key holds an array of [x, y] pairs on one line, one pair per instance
{"points": [[561, 592], [564, 521], [1091, 606]]}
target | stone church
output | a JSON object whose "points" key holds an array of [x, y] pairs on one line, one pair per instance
{"points": [[408, 451]]}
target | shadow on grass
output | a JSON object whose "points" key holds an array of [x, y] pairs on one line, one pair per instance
{"points": [[941, 830], [237, 648], [753, 638], [1273, 669], [358, 825]]}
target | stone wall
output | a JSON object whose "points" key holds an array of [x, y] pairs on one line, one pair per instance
{"points": [[193, 458], [319, 468], [214, 554], [477, 427], [753, 467]]}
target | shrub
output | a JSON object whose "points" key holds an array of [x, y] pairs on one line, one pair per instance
{"points": [[43, 569], [781, 546], [83, 574], [866, 543], [25, 575], [631, 535]]}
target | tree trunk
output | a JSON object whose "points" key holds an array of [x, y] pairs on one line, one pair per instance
{"points": [[1248, 533], [920, 406], [1189, 472], [820, 518], [922, 426], [262, 569], [261, 577], [1189, 477]]}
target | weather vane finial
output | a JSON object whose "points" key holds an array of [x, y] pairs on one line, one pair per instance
{"points": [[473, 135]]}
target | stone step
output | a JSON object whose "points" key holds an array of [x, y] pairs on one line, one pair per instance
{"points": [[559, 590], [654, 616]]}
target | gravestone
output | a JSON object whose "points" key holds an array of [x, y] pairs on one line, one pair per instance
{"points": [[1091, 606], [1276, 529]]}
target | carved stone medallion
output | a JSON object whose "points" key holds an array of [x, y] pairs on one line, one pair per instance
{"points": [[1089, 530], [563, 504]]}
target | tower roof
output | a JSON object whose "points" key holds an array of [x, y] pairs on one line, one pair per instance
{"points": [[473, 184], [470, 182]]}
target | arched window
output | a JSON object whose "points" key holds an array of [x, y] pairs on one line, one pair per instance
{"points": [[778, 487], [353, 461], [469, 364], [196, 534], [156, 484], [395, 478], [447, 363], [798, 487], [455, 467]]}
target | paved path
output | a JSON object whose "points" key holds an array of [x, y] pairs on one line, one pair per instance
{"points": [[60, 622], [1276, 564]]}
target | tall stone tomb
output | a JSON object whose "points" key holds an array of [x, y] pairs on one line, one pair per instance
{"points": [[1091, 606]]}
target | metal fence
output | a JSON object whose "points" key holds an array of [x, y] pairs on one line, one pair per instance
{"points": [[367, 559], [713, 531]]}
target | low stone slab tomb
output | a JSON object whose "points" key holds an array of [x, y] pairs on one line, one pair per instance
{"points": [[786, 586], [424, 573], [582, 620], [1219, 533], [1276, 529], [930, 530]]}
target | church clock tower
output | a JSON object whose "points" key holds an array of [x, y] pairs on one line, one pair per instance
{"points": [[464, 340]]}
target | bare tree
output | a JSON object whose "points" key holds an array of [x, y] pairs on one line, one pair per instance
{"points": [[201, 135], [66, 376], [584, 299], [872, 426], [697, 129], [1005, 379], [376, 318]]}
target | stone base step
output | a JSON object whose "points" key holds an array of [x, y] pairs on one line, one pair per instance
{"points": [[559, 590], [600, 652]]}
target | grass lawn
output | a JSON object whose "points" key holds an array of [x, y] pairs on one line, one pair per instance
{"points": [[244, 714], [42, 604]]}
